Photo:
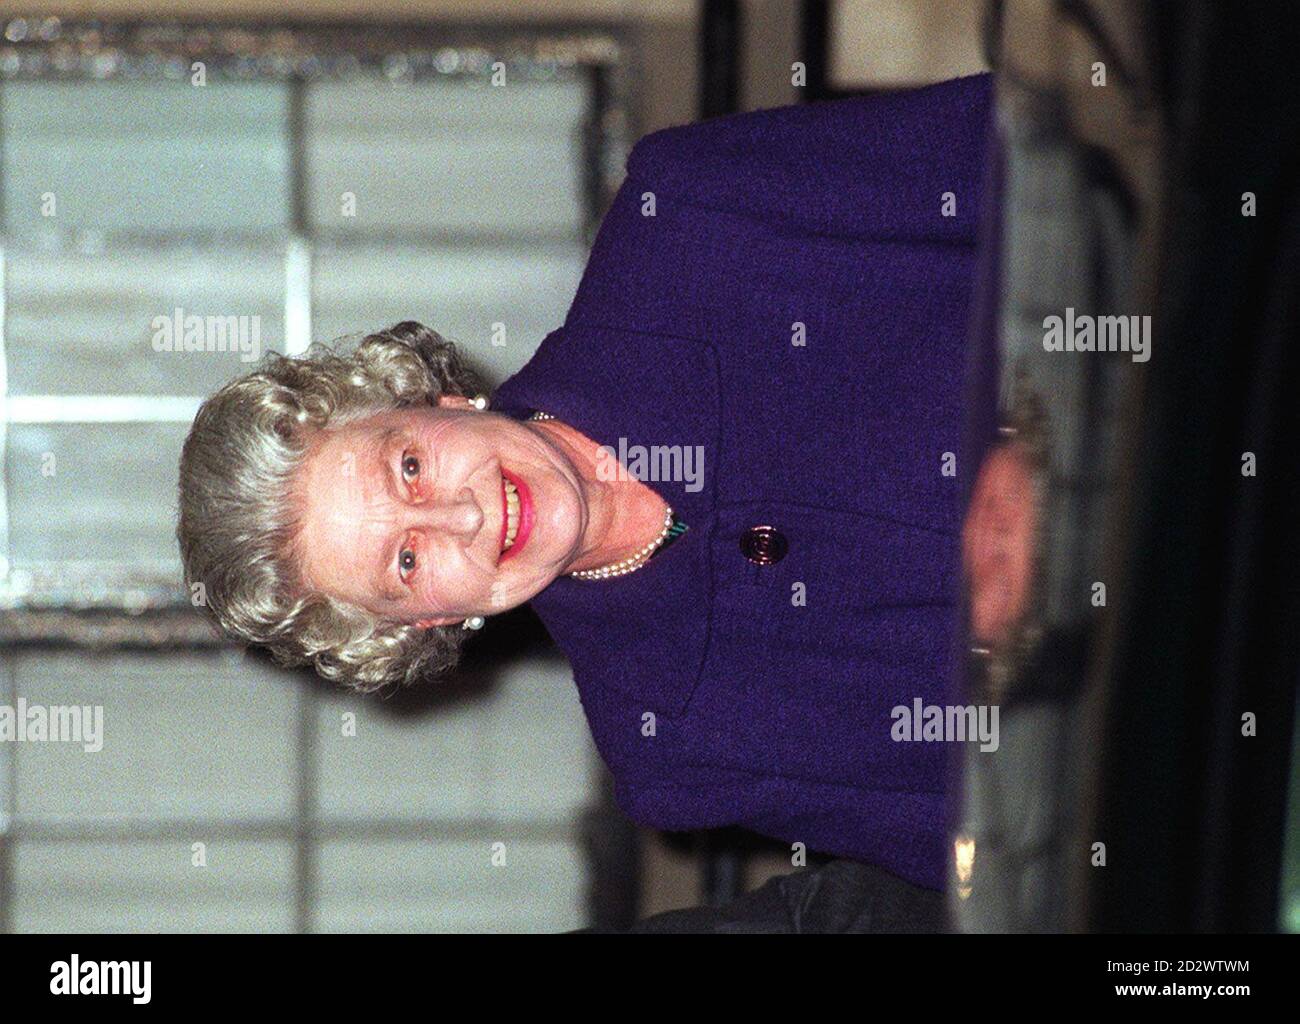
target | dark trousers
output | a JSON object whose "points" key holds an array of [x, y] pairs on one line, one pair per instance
{"points": [[842, 896]]}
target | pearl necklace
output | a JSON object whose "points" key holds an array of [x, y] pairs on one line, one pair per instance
{"points": [[626, 565]]}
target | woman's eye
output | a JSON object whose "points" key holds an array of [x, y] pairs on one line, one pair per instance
{"points": [[405, 562], [410, 468]]}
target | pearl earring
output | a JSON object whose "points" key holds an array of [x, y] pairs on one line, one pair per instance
{"points": [[473, 622], [479, 402]]}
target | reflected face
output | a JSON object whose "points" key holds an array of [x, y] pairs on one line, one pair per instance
{"points": [[999, 539], [430, 515]]}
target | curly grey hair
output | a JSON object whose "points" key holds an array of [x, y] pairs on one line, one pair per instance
{"points": [[237, 525]]}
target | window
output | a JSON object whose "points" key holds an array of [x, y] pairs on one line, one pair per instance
{"points": [[290, 184]]}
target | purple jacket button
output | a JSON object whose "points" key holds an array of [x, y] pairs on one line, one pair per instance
{"points": [[764, 545]]}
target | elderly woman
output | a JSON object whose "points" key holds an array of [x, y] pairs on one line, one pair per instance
{"points": [[727, 483]]}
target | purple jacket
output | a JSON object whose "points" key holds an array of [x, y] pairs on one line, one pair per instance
{"points": [[721, 690]]}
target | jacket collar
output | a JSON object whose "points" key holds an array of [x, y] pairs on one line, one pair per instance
{"points": [[643, 634]]}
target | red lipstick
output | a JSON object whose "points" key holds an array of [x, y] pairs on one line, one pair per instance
{"points": [[525, 515]]}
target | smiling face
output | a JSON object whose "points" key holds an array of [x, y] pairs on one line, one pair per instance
{"points": [[407, 513]]}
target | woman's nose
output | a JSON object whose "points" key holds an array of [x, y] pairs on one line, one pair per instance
{"points": [[458, 515]]}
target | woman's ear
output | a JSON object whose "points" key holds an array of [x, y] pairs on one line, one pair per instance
{"points": [[454, 402], [444, 620]]}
